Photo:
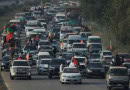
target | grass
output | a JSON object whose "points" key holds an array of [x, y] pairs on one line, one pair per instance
{"points": [[4, 19], [106, 35]]}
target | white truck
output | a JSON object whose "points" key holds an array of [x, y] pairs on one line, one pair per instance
{"points": [[20, 68]]}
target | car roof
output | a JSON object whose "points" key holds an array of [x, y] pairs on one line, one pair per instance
{"points": [[74, 37], [15, 20], [79, 57], [20, 60], [70, 67], [106, 51], [43, 53], [79, 43], [117, 67], [46, 59], [93, 36]]}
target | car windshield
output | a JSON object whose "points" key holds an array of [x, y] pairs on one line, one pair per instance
{"points": [[95, 56], [127, 65], [57, 62], [20, 63], [45, 61], [42, 20], [80, 59], [108, 58], [96, 65], [67, 56], [31, 47], [56, 30], [44, 56], [61, 17], [71, 70], [96, 46], [6, 58], [66, 31], [127, 56], [44, 43], [95, 40], [74, 41], [30, 30], [85, 35], [79, 46], [107, 53], [118, 72]]}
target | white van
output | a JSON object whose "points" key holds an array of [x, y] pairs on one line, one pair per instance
{"points": [[72, 39], [93, 40], [79, 47], [14, 21], [43, 55], [64, 30], [59, 16]]}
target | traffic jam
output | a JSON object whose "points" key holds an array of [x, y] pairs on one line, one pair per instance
{"points": [[54, 39]]}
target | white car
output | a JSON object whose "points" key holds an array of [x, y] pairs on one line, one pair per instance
{"points": [[20, 68], [70, 74], [106, 53]]}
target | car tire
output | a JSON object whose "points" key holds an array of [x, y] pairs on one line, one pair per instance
{"points": [[80, 82], [49, 76], [108, 87], [1, 69], [62, 83], [126, 88], [39, 73], [11, 77], [29, 77]]}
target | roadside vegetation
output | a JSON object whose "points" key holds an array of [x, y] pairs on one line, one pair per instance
{"points": [[7, 13], [111, 20]]}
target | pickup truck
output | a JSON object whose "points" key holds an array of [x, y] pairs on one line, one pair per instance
{"points": [[20, 68]]}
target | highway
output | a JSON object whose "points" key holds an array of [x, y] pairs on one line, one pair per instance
{"points": [[43, 83]]}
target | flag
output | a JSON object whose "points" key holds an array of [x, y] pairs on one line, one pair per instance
{"points": [[36, 38], [110, 45], [81, 42], [15, 46], [41, 3], [4, 27], [9, 29], [9, 36], [71, 4], [75, 61], [62, 43], [50, 34], [10, 48], [90, 27], [27, 55]]}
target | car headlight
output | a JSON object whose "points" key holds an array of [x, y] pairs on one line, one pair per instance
{"points": [[2, 63], [14, 69], [89, 70]]}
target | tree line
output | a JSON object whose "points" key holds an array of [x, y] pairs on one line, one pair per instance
{"points": [[113, 14]]}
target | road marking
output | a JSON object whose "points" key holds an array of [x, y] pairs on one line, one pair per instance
{"points": [[5, 81]]}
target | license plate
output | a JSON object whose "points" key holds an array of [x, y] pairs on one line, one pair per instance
{"points": [[119, 84]]}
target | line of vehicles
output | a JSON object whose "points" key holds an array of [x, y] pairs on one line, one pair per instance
{"points": [[54, 35]]}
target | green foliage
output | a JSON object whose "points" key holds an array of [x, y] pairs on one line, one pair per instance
{"points": [[114, 14]]}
